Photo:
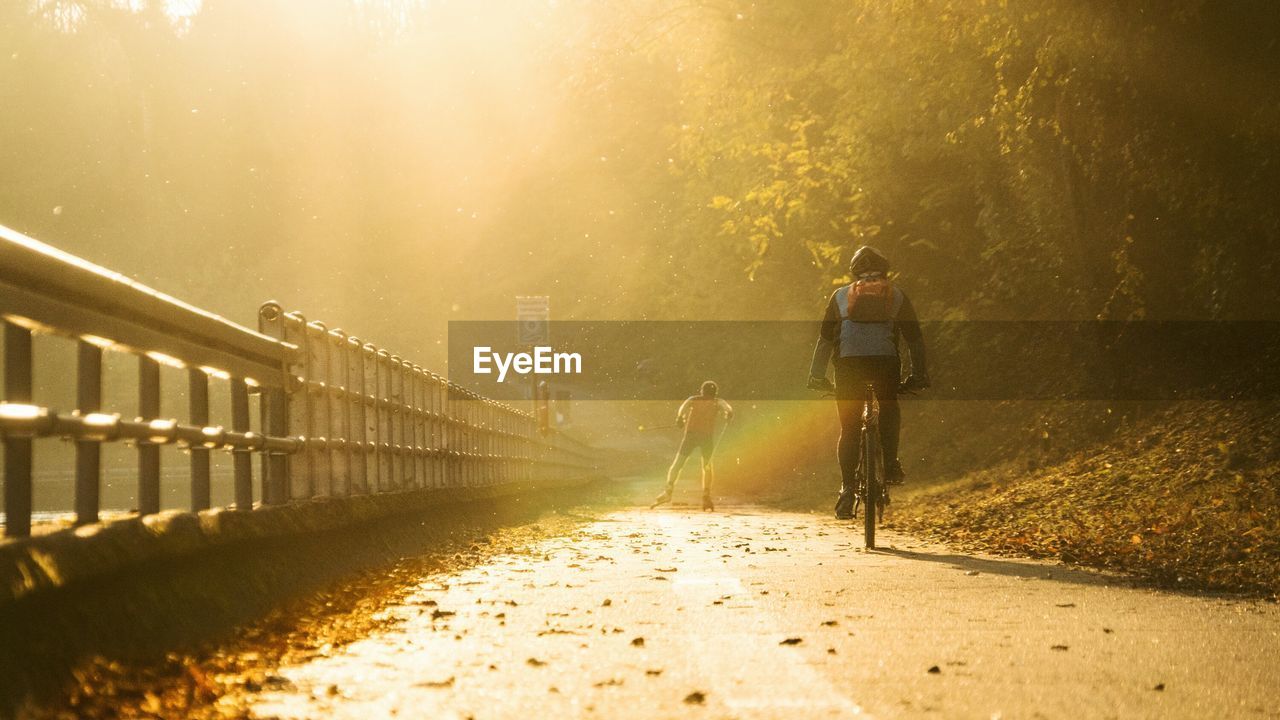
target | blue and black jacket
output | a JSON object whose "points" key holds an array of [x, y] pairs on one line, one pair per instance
{"points": [[842, 337]]}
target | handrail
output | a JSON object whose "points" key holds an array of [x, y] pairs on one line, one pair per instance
{"points": [[56, 290]]}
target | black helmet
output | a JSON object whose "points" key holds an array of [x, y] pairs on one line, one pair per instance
{"points": [[709, 388], [868, 259]]}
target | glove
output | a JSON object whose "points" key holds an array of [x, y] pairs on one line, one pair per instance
{"points": [[821, 383], [914, 382]]}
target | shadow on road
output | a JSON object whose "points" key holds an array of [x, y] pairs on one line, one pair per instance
{"points": [[1012, 568]]}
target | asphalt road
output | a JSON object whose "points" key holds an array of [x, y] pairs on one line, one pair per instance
{"points": [[751, 613]]}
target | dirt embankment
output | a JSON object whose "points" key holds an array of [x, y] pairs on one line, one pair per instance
{"points": [[1186, 495]]}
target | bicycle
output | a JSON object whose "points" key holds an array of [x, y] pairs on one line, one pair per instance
{"points": [[871, 494]]}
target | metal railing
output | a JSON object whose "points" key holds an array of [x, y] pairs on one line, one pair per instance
{"points": [[337, 416]]}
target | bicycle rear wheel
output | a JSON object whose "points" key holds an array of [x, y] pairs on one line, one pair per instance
{"points": [[872, 476]]}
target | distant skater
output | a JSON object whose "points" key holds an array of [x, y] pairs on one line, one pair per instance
{"points": [[698, 415]]}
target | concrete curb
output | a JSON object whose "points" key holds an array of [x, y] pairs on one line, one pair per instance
{"points": [[35, 566]]}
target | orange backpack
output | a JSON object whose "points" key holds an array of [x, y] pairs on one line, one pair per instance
{"points": [[870, 301]]}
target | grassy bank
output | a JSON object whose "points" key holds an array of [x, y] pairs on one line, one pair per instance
{"points": [[1185, 496]]}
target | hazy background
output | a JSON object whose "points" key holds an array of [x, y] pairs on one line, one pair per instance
{"points": [[390, 165]]}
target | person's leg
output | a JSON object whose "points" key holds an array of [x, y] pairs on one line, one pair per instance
{"points": [[850, 437], [708, 479], [849, 410], [708, 449], [887, 378], [673, 473]]}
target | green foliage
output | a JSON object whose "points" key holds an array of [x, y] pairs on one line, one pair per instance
{"points": [[1047, 159]]}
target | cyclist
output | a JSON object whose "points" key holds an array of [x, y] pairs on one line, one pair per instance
{"points": [[859, 336], [698, 415]]}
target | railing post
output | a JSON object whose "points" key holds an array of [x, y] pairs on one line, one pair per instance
{"points": [[299, 398], [454, 466], [463, 436], [373, 418], [434, 432], [317, 392], [409, 471], [339, 411], [407, 407], [482, 440], [458, 407], [504, 445], [242, 459], [531, 447], [353, 414], [495, 441], [468, 438], [386, 447], [396, 396], [273, 412], [88, 452], [275, 484], [418, 403], [486, 437], [148, 452], [198, 406], [500, 443], [17, 450], [453, 436], [475, 410], [359, 432]]}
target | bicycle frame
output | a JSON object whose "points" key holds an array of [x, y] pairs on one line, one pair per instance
{"points": [[870, 409]]}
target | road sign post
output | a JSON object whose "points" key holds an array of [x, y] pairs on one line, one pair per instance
{"points": [[533, 328]]}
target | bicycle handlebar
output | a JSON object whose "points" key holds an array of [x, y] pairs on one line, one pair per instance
{"points": [[910, 386]]}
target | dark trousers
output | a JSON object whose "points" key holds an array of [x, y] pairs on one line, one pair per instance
{"points": [[853, 374]]}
